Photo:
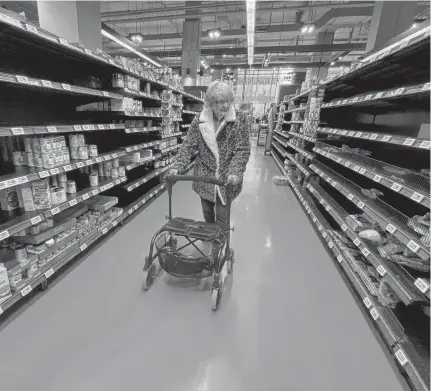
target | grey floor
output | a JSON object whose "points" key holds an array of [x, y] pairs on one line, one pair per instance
{"points": [[287, 322]]}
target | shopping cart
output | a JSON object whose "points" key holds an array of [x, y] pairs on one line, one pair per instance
{"points": [[171, 256]]}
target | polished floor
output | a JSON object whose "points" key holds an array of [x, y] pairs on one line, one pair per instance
{"points": [[287, 322]]}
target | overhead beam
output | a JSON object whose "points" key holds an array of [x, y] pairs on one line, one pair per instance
{"points": [[282, 65], [341, 47]]}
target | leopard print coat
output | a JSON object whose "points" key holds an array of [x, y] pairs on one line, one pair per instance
{"points": [[221, 152]]}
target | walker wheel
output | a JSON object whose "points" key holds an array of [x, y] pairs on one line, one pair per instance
{"points": [[215, 298], [149, 277], [44, 285]]}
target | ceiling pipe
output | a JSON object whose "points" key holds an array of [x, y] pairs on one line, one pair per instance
{"points": [[114, 14], [280, 28]]}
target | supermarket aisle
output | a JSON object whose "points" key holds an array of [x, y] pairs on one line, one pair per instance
{"points": [[287, 323]]}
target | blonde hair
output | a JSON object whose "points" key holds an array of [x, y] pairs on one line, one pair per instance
{"points": [[215, 89]]}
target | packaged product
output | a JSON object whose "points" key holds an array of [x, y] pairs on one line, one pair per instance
{"points": [[5, 291], [280, 180], [41, 194], [48, 160], [25, 195], [9, 199], [372, 235], [387, 295]]}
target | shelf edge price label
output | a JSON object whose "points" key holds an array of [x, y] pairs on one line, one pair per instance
{"points": [[54, 171], [344, 227], [377, 178], [412, 245], [357, 242], [361, 205], [367, 302], [26, 290], [55, 211], [114, 224], [67, 168], [80, 164], [365, 251], [422, 285], [350, 197], [86, 196], [362, 171], [409, 141], [374, 314], [98, 159], [396, 187], [66, 87], [425, 144], [112, 126], [51, 129], [379, 95], [386, 138], [381, 270], [49, 273], [356, 168], [21, 180], [340, 258], [32, 29], [5, 234], [63, 42], [89, 162], [417, 197], [88, 52], [104, 231], [106, 94], [399, 91], [83, 247], [17, 131], [35, 220], [401, 357], [331, 245], [46, 83], [373, 136], [77, 128], [426, 87], [73, 202], [101, 127]]}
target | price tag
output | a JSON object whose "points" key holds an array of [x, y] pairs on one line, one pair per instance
{"points": [[368, 97], [374, 314], [425, 145], [77, 127], [35, 220], [351, 134], [374, 136], [21, 180], [339, 160], [103, 188], [347, 164], [55, 211], [51, 129], [357, 242], [89, 162], [361, 205], [101, 127], [98, 159], [319, 227], [365, 251], [362, 171], [356, 168], [396, 187], [63, 42], [381, 270], [412, 245], [340, 258], [32, 29], [328, 208], [130, 211], [11, 182], [67, 168], [86, 196], [409, 141], [324, 235], [107, 157], [46, 83], [84, 247], [104, 231], [417, 197], [379, 95], [23, 79], [26, 290], [91, 127], [390, 228], [49, 273], [66, 87], [330, 244], [344, 227], [399, 91], [426, 87], [55, 171], [17, 131], [377, 178], [88, 52], [422, 285], [73, 202], [80, 164], [114, 224], [112, 126], [402, 359], [95, 192], [386, 138], [114, 155], [334, 184], [43, 174], [367, 302]]}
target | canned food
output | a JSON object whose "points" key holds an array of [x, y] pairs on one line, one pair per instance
{"points": [[70, 187], [107, 173], [45, 145], [116, 163], [38, 162], [66, 157], [81, 140], [92, 150], [58, 158], [74, 154], [43, 226], [18, 158], [74, 140], [61, 178], [83, 153], [94, 179], [21, 254], [114, 173], [121, 171], [35, 144], [50, 222], [58, 196], [28, 144], [108, 164], [35, 229], [48, 160]]}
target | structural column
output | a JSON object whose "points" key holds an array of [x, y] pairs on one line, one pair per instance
{"points": [[192, 37], [75, 21], [390, 18], [323, 38]]}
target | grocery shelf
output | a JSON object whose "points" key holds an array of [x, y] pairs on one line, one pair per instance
{"points": [[190, 112], [24, 174], [51, 86], [143, 161], [397, 277], [375, 63], [415, 186], [169, 149], [382, 316], [379, 137], [280, 151], [376, 96], [300, 166], [303, 136], [45, 40], [279, 163], [296, 110], [48, 129], [139, 182], [300, 150], [294, 122], [388, 218], [285, 135], [150, 129], [136, 94], [137, 147], [17, 224]]}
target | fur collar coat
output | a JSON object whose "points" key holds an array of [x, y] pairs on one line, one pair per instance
{"points": [[220, 152]]}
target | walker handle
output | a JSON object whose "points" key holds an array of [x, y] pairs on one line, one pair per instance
{"points": [[195, 178]]}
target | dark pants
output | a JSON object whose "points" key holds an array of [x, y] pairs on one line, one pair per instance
{"points": [[214, 212]]}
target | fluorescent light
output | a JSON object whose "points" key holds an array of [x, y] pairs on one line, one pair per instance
{"points": [[128, 47], [311, 28], [414, 25], [251, 16], [304, 29]]}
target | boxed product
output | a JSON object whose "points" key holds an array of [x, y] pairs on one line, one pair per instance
{"points": [[101, 202], [25, 197], [41, 194], [9, 199], [5, 291]]}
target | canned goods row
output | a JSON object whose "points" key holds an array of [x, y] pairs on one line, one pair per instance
{"points": [[83, 152], [41, 160], [44, 144]]}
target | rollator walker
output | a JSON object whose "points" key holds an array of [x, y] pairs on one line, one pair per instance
{"points": [[164, 245]]}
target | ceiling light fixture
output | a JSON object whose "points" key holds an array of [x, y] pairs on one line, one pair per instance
{"points": [[308, 28], [214, 33], [136, 37], [414, 25], [128, 47], [251, 16]]}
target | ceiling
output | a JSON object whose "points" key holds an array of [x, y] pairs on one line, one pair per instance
{"points": [[278, 34]]}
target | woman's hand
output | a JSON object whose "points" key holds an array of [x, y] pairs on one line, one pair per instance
{"points": [[233, 180]]}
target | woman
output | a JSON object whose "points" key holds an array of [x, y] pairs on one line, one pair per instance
{"points": [[222, 141]]}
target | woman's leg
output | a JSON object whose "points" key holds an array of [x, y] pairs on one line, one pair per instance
{"points": [[221, 213], [208, 211]]}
